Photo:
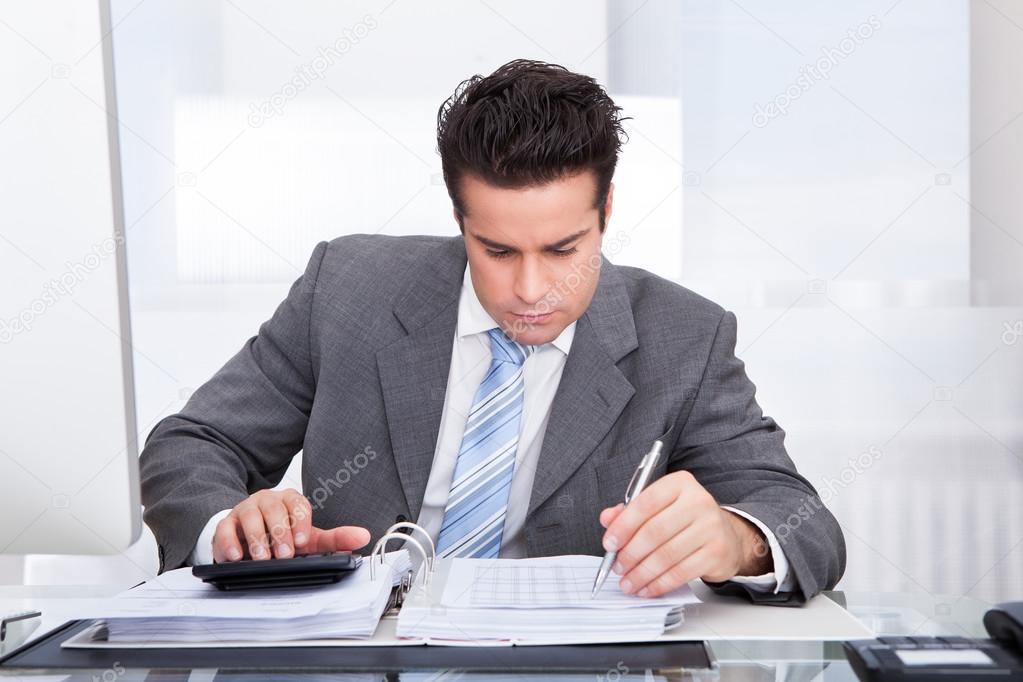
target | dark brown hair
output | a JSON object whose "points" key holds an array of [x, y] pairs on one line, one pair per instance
{"points": [[529, 123]]}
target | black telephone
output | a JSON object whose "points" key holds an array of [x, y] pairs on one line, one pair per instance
{"points": [[946, 658], [1005, 624]]}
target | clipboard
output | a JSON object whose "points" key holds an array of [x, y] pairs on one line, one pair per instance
{"points": [[47, 652]]}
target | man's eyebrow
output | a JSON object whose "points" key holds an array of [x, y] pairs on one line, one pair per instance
{"points": [[567, 240], [556, 245], [492, 244]]}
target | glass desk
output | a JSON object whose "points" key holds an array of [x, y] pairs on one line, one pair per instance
{"points": [[885, 613]]}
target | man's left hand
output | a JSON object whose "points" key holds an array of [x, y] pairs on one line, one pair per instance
{"points": [[674, 532]]}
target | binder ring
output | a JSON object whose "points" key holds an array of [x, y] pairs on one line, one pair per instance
{"points": [[432, 558], [381, 546]]}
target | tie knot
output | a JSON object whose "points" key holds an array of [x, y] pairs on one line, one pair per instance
{"points": [[503, 349]]}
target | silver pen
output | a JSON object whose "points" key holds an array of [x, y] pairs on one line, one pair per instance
{"points": [[637, 483]]}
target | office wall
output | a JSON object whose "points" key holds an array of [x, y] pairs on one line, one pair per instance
{"points": [[848, 227], [893, 356], [996, 132]]}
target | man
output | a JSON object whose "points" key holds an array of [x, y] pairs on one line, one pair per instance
{"points": [[498, 387]]}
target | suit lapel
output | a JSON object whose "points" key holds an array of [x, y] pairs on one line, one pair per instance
{"points": [[593, 391], [414, 369]]}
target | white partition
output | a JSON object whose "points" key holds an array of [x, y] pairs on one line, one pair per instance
{"points": [[68, 452]]}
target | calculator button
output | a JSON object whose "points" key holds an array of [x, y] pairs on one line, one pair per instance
{"points": [[899, 642], [955, 642]]}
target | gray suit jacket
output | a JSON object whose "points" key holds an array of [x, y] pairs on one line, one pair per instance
{"points": [[356, 358]]}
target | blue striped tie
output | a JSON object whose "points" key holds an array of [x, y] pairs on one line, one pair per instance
{"points": [[475, 511]]}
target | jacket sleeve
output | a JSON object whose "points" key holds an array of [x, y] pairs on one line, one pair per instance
{"points": [[738, 455], [237, 433]]}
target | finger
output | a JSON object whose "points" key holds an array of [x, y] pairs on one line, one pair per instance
{"points": [[254, 531], [672, 552], [644, 506], [340, 539], [275, 516], [610, 514], [655, 532], [301, 514], [678, 575], [226, 546]]}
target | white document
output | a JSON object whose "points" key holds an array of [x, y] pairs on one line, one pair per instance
{"points": [[547, 582], [178, 607], [179, 593], [534, 601], [712, 617]]}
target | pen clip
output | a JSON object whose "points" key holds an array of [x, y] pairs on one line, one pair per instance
{"points": [[641, 475], [630, 490]]}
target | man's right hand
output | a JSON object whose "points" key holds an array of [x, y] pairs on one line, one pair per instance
{"points": [[281, 520]]}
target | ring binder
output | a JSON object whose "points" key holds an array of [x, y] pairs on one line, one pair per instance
{"points": [[393, 534], [402, 589], [416, 527]]}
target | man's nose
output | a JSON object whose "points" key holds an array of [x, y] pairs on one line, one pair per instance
{"points": [[530, 281]]}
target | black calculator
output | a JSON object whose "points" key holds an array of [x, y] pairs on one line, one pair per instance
{"points": [[300, 571], [933, 658]]}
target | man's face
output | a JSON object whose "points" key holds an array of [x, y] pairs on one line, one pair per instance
{"points": [[534, 253]]}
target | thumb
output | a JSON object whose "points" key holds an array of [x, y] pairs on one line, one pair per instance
{"points": [[339, 539], [608, 516]]}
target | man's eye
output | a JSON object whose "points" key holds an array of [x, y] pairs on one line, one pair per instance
{"points": [[565, 252], [498, 254]]}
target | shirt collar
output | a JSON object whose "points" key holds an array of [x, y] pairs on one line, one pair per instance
{"points": [[473, 318]]}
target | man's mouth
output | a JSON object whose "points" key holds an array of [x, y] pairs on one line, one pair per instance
{"points": [[534, 318]]}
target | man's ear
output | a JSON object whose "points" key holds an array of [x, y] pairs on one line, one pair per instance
{"points": [[607, 204]]}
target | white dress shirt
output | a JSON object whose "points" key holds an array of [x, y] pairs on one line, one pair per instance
{"points": [[541, 374]]}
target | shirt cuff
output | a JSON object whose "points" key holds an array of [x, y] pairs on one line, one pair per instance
{"points": [[779, 580], [202, 553]]}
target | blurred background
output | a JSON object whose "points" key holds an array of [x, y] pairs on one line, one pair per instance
{"points": [[845, 177]]}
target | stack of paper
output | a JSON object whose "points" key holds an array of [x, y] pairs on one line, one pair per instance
{"points": [[178, 607], [537, 601]]}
